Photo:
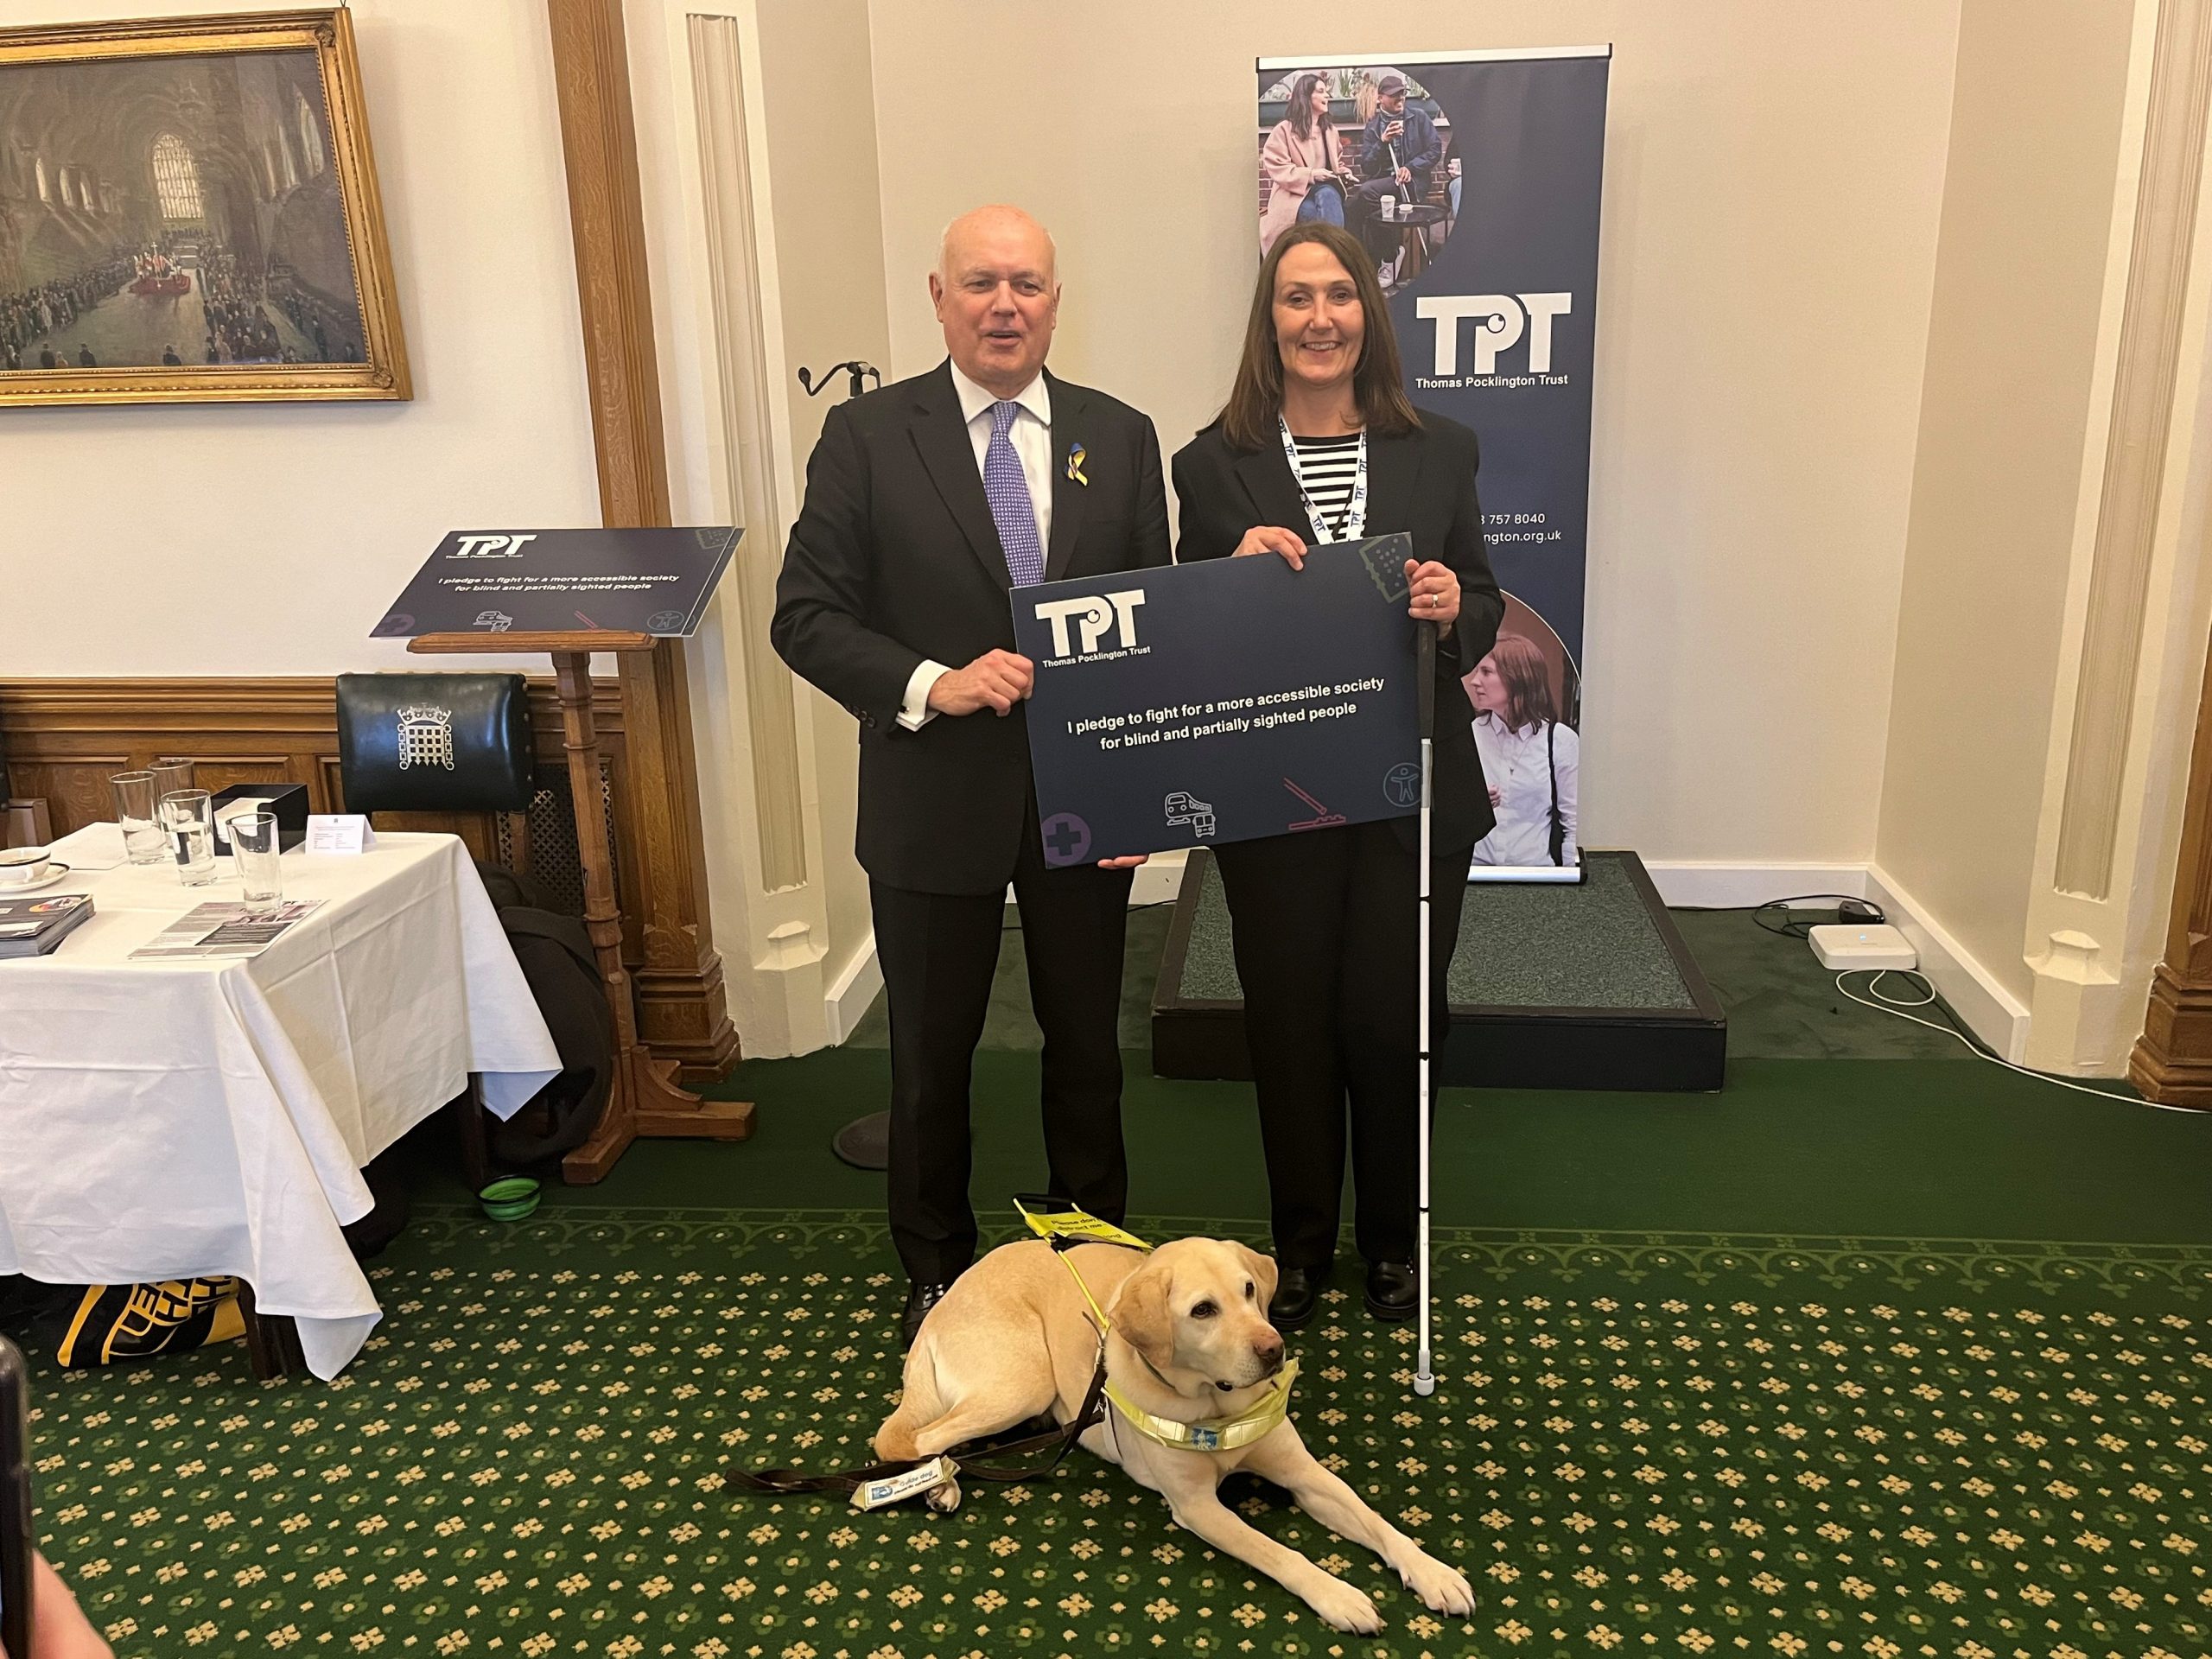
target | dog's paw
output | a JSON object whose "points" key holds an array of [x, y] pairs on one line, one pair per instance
{"points": [[943, 1498], [1440, 1589], [1342, 1607]]}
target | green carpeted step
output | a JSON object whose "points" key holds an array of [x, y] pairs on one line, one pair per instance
{"points": [[1587, 946], [1781, 1004]]}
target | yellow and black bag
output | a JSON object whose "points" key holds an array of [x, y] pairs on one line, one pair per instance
{"points": [[120, 1322]]}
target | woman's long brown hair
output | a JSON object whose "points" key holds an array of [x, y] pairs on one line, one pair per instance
{"points": [[1527, 679], [1248, 420]]}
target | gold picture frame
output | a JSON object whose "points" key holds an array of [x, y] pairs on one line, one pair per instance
{"points": [[173, 181]]}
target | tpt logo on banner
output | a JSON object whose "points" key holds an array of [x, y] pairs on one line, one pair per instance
{"points": [[500, 544], [1500, 321], [1094, 618]]}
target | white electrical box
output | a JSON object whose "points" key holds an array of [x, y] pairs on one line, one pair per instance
{"points": [[1842, 946]]}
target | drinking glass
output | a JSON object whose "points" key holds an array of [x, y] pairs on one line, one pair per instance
{"points": [[144, 842], [171, 773], [254, 850], [188, 819]]}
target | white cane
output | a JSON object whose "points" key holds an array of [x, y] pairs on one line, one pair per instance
{"points": [[1425, 666]]}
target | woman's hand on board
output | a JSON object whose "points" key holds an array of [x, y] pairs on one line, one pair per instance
{"points": [[1273, 538]]}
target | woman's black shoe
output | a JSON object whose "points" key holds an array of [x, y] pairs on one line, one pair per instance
{"points": [[1392, 1290], [1296, 1292]]}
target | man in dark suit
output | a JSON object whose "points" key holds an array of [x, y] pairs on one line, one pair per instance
{"points": [[927, 503]]}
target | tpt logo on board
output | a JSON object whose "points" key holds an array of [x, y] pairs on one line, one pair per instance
{"points": [[1095, 619], [500, 544], [1502, 322]]}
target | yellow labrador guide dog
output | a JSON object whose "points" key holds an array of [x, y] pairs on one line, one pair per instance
{"points": [[1196, 1385]]}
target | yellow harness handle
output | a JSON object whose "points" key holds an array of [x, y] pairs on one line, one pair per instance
{"points": [[1064, 1226]]}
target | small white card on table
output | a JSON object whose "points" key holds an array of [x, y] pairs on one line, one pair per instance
{"points": [[339, 832]]}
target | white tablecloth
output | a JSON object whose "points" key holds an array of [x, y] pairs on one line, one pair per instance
{"points": [[164, 1120]]}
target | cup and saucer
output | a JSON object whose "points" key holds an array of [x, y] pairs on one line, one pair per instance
{"points": [[28, 869]]}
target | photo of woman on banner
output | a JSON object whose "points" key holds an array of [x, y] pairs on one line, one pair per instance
{"points": [[1319, 443], [1303, 164], [1526, 699]]}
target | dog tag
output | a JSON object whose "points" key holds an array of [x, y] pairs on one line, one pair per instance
{"points": [[896, 1489]]}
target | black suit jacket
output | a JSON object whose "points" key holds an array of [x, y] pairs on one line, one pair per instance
{"points": [[1423, 482], [895, 559]]}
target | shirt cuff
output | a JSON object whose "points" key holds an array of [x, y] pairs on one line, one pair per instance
{"points": [[914, 712]]}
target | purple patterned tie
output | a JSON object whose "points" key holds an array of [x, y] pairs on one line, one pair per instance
{"points": [[1008, 489]]}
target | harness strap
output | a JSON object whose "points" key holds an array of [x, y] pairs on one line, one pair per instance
{"points": [[786, 1482]]}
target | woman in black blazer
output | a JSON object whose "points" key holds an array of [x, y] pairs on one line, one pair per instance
{"points": [[1320, 443]]}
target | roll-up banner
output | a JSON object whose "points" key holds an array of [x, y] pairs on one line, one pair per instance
{"points": [[1472, 181]]}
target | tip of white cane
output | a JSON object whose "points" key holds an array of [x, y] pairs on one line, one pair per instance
{"points": [[1424, 1386]]}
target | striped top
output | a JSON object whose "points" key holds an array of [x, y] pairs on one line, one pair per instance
{"points": [[1327, 467]]}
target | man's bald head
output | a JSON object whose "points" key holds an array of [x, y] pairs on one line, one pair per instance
{"points": [[995, 228], [997, 295]]}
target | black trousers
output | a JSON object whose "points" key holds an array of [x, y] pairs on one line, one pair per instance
{"points": [[939, 952], [1327, 926]]}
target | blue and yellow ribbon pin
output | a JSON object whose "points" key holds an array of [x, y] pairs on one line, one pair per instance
{"points": [[1076, 455]]}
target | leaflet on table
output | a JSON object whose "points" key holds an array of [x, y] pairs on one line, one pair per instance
{"points": [[35, 927], [222, 930]]}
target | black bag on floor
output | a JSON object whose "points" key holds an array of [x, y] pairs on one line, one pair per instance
{"points": [[556, 958]]}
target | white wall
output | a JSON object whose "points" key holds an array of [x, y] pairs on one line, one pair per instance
{"points": [[268, 538], [2012, 355], [815, 58], [1774, 177]]}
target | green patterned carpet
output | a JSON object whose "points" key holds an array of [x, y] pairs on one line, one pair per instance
{"points": [[1641, 1444]]}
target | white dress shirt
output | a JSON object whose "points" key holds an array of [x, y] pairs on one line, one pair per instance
{"points": [[1031, 436], [1521, 765]]}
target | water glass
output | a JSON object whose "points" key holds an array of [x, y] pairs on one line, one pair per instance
{"points": [[144, 842], [254, 850], [188, 820], [171, 773]]}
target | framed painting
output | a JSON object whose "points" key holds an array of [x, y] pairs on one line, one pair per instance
{"points": [[188, 213]]}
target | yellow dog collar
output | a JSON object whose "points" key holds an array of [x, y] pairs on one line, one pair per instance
{"points": [[1219, 1434]]}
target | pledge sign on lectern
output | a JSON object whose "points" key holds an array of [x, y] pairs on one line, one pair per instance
{"points": [[566, 593]]}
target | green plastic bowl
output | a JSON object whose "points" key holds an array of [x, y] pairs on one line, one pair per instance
{"points": [[510, 1199]]}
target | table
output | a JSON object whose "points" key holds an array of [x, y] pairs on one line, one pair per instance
{"points": [[168, 1119], [1416, 218]]}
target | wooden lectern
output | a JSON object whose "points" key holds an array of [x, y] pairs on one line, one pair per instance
{"points": [[646, 1100]]}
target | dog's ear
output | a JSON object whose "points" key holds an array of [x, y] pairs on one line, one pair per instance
{"points": [[1264, 1273], [1141, 1316]]}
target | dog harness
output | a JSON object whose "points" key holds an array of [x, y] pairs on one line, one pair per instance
{"points": [[1065, 1228]]}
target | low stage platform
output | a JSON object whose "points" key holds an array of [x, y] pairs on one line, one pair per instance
{"points": [[1586, 986]]}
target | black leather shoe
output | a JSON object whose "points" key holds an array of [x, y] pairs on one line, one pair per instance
{"points": [[1297, 1291], [920, 1298], [1392, 1290]]}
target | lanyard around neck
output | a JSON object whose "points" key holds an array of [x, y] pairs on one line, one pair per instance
{"points": [[1355, 511]]}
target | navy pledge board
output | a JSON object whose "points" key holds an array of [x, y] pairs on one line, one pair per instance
{"points": [[1222, 701]]}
